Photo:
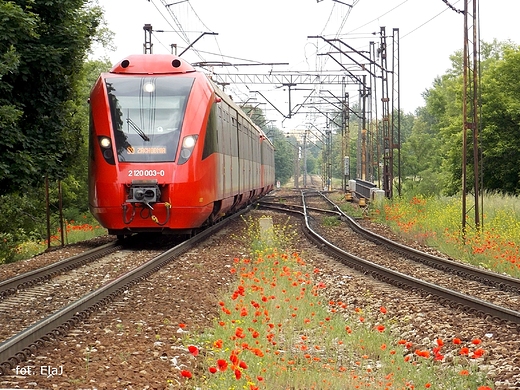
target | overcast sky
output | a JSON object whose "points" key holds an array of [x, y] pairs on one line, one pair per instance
{"points": [[276, 31]]}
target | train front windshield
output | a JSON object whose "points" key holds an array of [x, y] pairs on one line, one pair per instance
{"points": [[147, 115]]}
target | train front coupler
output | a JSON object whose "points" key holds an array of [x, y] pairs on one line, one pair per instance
{"points": [[144, 191]]}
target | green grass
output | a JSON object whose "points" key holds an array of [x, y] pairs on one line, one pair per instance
{"points": [[437, 222], [74, 231], [277, 331]]}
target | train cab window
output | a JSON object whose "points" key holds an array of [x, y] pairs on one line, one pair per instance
{"points": [[147, 115]]}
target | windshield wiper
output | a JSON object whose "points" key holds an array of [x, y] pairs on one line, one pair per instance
{"points": [[141, 133]]}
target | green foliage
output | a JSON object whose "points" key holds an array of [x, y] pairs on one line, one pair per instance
{"points": [[44, 87], [330, 221], [501, 123], [284, 157], [45, 44], [433, 153]]}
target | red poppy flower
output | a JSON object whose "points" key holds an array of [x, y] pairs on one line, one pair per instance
{"points": [[238, 374], [213, 369], [193, 350], [478, 353], [222, 365], [186, 374]]}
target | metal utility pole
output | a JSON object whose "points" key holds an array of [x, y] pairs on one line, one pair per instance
{"points": [[388, 152], [396, 104], [148, 45], [470, 111], [345, 139]]}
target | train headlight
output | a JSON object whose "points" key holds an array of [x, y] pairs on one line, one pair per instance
{"points": [[188, 143], [149, 87], [105, 142]]}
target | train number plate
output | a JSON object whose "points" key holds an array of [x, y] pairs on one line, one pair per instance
{"points": [[145, 173]]}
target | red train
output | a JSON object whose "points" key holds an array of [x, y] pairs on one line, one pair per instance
{"points": [[168, 151]]}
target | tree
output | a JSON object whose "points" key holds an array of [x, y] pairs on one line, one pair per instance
{"points": [[46, 45], [500, 139], [500, 63], [16, 25]]}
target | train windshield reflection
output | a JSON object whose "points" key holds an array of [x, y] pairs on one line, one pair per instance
{"points": [[147, 115]]}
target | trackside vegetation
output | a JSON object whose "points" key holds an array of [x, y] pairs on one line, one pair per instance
{"points": [[436, 222], [277, 331]]}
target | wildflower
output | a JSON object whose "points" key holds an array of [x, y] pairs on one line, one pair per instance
{"points": [[213, 369], [475, 341], [438, 355], [233, 357], [383, 310], [193, 350], [478, 353], [218, 343], [464, 372], [222, 365], [380, 328], [258, 352], [464, 351], [424, 354], [186, 374], [238, 374], [456, 340], [242, 364]]}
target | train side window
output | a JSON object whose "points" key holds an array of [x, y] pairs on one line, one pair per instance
{"points": [[210, 141]]}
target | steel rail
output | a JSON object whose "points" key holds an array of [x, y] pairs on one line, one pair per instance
{"points": [[396, 278], [399, 279], [506, 283], [17, 348], [19, 282]]}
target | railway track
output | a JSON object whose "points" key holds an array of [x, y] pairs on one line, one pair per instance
{"points": [[489, 294], [136, 341], [38, 276], [18, 347]]}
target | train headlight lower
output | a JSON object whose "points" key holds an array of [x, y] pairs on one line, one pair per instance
{"points": [[188, 143], [105, 144]]}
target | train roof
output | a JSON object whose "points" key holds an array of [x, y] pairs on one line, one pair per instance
{"points": [[152, 64]]}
